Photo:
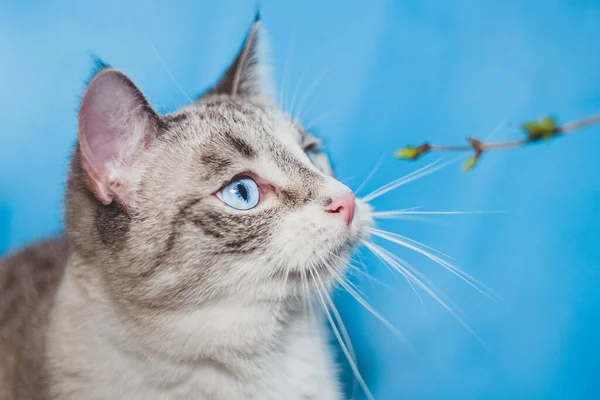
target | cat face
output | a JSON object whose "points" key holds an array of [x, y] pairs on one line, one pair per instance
{"points": [[225, 198]]}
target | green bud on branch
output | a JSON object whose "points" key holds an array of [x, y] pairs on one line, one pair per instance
{"points": [[470, 163], [546, 128], [412, 152]]}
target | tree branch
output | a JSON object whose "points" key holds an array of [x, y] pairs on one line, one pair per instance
{"points": [[545, 129]]}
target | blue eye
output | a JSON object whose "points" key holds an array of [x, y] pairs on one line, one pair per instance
{"points": [[241, 194]]}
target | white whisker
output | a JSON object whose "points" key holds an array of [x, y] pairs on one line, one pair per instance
{"points": [[308, 93], [369, 308], [340, 278], [337, 316], [389, 267], [471, 281], [412, 218], [360, 261], [340, 323], [305, 287], [336, 332], [384, 214], [169, 72], [298, 87], [407, 239], [321, 117], [420, 173], [285, 74], [368, 178], [423, 283], [355, 270], [497, 129], [401, 179]]}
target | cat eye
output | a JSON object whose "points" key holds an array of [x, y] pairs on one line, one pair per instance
{"points": [[242, 193]]}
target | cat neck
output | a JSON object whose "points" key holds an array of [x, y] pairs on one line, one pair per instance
{"points": [[224, 330], [232, 343]]}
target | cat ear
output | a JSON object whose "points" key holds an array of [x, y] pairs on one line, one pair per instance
{"points": [[116, 124], [247, 75]]}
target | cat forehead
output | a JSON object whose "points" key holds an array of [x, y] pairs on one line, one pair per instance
{"points": [[235, 113], [225, 129]]}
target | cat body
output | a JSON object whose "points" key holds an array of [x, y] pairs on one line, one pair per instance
{"points": [[196, 244], [291, 361]]}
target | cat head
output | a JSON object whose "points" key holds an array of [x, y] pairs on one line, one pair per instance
{"points": [[227, 197]]}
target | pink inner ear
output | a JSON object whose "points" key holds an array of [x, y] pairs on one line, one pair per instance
{"points": [[114, 119]]}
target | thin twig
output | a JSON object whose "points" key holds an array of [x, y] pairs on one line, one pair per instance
{"points": [[570, 127], [545, 129]]}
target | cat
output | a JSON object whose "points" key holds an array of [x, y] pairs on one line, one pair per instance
{"points": [[194, 243]]}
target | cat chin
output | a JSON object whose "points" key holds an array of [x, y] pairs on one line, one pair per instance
{"points": [[329, 269], [329, 264]]}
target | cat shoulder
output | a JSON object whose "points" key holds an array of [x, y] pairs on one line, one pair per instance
{"points": [[28, 282]]}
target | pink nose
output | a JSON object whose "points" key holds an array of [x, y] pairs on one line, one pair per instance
{"points": [[344, 206]]}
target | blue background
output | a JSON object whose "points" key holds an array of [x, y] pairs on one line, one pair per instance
{"points": [[393, 73]]}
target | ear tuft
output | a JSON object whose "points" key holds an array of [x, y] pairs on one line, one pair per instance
{"points": [[116, 124], [99, 65], [247, 75], [257, 16]]}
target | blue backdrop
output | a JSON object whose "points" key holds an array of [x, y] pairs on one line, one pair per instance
{"points": [[373, 76]]}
